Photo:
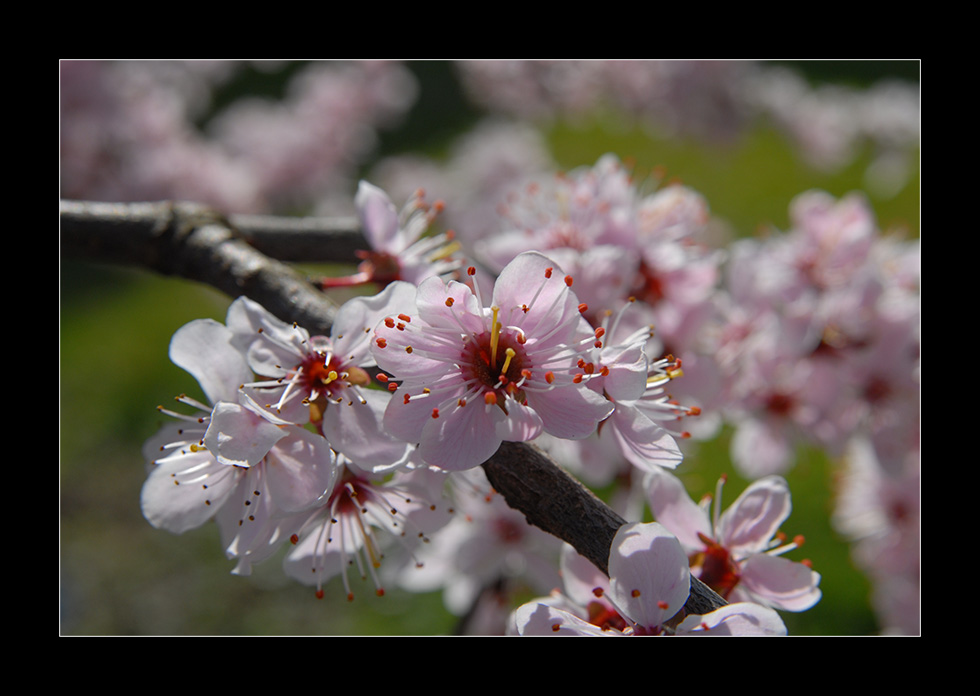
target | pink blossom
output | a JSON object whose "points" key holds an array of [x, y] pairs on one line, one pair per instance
{"points": [[399, 250], [649, 583], [737, 553], [323, 380], [356, 524], [486, 545], [472, 377], [231, 463]]}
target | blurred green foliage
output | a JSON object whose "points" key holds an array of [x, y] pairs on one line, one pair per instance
{"points": [[121, 577]]}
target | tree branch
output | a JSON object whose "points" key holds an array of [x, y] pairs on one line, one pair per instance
{"points": [[197, 243]]}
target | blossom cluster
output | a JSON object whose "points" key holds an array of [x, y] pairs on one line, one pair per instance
{"points": [[366, 444], [153, 130]]}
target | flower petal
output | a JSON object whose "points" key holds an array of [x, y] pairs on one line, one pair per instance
{"points": [[780, 582], [237, 436], [674, 509], [649, 574], [754, 518], [204, 348]]}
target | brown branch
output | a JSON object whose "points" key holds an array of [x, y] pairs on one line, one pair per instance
{"points": [[193, 242], [555, 502], [197, 243]]}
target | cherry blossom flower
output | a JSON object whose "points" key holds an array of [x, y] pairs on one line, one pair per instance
{"points": [[355, 524], [323, 380], [487, 550], [472, 376], [645, 414], [649, 583], [399, 248], [231, 463], [737, 553]]}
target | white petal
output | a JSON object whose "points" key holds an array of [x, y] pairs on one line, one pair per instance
{"points": [[203, 348], [239, 437], [185, 491], [301, 469], [753, 519], [649, 574], [738, 619]]}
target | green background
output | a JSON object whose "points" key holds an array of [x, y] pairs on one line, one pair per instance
{"points": [[119, 576]]}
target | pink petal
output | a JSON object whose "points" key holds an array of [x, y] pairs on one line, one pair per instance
{"points": [[643, 441], [754, 518], [649, 574], [570, 412], [300, 469], [379, 218], [781, 582], [674, 509]]}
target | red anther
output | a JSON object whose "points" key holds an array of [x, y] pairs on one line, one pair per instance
{"points": [[380, 592], [547, 272], [503, 380], [808, 563], [583, 308], [435, 413], [526, 374], [381, 343], [522, 339], [798, 540], [662, 604], [600, 332], [461, 402], [439, 206], [350, 596], [636, 593], [382, 377], [319, 594], [400, 326], [694, 411], [294, 539], [406, 399], [598, 344], [589, 368], [389, 322], [604, 371], [405, 318], [450, 301], [598, 592], [392, 387], [686, 435], [578, 378], [556, 627], [581, 362], [490, 398], [471, 270], [568, 280], [408, 349], [450, 235], [525, 308], [549, 376]]}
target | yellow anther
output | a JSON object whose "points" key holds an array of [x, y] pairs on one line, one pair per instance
{"points": [[494, 335], [510, 354], [445, 251]]}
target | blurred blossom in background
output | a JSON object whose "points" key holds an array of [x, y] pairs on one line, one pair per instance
{"points": [[791, 188]]}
